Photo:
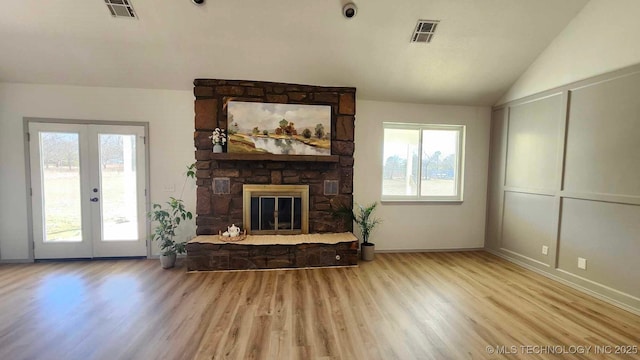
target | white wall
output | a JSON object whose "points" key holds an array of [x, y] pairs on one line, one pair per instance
{"points": [[423, 226], [601, 38], [170, 117]]}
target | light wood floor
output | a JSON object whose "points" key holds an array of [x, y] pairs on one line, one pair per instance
{"points": [[401, 306]]}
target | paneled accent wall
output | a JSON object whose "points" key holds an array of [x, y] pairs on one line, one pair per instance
{"points": [[565, 175]]}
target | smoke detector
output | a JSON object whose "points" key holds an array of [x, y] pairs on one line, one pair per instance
{"points": [[121, 8], [424, 31]]}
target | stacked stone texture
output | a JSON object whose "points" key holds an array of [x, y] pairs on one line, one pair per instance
{"points": [[206, 256], [216, 211]]}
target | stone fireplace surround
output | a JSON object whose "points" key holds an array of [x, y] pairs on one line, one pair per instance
{"points": [[221, 205]]}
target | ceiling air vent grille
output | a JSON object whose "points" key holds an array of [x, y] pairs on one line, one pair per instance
{"points": [[424, 31], [121, 8]]}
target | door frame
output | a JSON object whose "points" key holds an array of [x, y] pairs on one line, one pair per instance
{"points": [[27, 151]]}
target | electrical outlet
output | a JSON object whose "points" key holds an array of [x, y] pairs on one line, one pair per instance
{"points": [[582, 263], [545, 250]]}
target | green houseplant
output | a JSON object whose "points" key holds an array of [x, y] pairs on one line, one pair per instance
{"points": [[167, 220], [362, 217]]}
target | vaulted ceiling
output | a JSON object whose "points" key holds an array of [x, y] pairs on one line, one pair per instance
{"points": [[480, 48]]}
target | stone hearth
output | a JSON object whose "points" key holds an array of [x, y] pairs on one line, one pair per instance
{"points": [[206, 253]]}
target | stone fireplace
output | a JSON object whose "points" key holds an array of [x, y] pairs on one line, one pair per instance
{"points": [[222, 177], [272, 195]]}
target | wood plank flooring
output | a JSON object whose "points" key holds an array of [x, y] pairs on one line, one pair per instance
{"points": [[400, 306]]}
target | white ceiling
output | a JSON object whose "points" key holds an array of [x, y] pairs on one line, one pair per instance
{"points": [[480, 48]]}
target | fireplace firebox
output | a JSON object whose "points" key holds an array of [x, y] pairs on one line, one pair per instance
{"points": [[276, 209]]}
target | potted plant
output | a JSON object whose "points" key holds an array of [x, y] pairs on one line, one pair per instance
{"points": [[168, 219], [366, 223]]}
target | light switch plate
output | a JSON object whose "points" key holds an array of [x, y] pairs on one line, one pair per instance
{"points": [[169, 188]]}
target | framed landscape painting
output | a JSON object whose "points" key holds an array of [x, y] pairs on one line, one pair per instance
{"points": [[288, 129]]}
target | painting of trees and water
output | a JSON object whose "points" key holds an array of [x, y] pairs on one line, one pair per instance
{"points": [[288, 129]]}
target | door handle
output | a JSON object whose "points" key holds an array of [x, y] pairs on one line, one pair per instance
{"points": [[94, 199]]}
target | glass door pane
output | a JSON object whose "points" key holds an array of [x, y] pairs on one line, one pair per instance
{"points": [[267, 213], [285, 213], [61, 220], [60, 171], [118, 185], [118, 174]]}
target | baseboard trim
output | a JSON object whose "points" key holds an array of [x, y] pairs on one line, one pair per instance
{"points": [[428, 250], [17, 261], [571, 284]]}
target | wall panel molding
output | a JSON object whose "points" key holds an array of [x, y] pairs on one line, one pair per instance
{"points": [[606, 234], [619, 199], [532, 127], [528, 224], [588, 134], [602, 148]]}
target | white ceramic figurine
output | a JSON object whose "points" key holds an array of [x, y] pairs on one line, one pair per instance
{"points": [[233, 230]]}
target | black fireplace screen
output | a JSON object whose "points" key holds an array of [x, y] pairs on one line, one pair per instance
{"points": [[276, 214]]}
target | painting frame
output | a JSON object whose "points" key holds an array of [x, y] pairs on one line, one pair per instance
{"points": [[278, 128]]}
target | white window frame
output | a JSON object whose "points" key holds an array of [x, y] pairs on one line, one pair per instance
{"points": [[458, 198]]}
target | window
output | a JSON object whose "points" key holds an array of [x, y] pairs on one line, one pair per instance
{"points": [[422, 162]]}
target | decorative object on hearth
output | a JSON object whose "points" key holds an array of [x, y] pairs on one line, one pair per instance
{"points": [[233, 230], [226, 236], [169, 220], [286, 129], [218, 138], [365, 222]]}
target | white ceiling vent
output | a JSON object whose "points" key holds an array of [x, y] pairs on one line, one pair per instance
{"points": [[121, 8], [424, 31]]}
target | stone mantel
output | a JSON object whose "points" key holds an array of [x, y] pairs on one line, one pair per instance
{"points": [[273, 157]]}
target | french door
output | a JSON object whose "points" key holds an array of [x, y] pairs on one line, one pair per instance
{"points": [[88, 190]]}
